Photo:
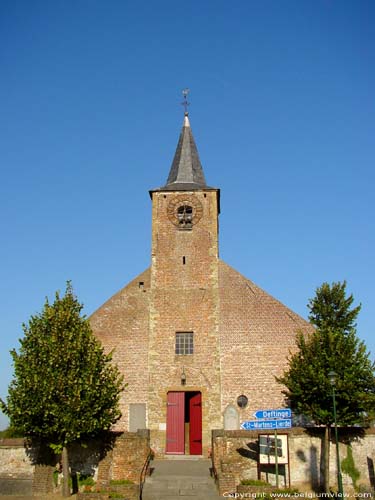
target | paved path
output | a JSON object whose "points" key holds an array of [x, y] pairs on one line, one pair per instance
{"points": [[30, 497], [179, 480]]}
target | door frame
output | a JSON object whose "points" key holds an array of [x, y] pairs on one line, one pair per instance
{"points": [[178, 408]]}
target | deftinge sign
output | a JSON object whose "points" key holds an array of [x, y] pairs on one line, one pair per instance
{"points": [[273, 414]]}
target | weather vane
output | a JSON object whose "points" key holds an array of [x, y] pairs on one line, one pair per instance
{"points": [[185, 102]]}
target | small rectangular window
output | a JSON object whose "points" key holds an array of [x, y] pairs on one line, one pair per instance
{"points": [[184, 343]]}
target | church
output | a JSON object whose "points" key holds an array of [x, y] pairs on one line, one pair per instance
{"points": [[199, 344]]}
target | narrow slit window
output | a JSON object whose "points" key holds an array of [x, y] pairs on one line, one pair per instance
{"points": [[184, 343], [184, 260]]}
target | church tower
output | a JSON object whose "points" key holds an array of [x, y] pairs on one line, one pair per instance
{"points": [[200, 345], [184, 355]]}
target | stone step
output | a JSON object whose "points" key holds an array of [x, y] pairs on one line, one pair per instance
{"points": [[179, 496], [152, 495], [180, 479], [195, 488]]}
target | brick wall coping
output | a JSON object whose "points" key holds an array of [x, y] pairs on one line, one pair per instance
{"points": [[141, 433], [294, 431], [21, 442], [12, 443]]}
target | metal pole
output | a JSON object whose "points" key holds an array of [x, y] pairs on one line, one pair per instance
{"points": [[339, 475], [276, 461]]}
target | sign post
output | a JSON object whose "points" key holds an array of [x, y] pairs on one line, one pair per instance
{"points": [[280, 418], [276, 462]]}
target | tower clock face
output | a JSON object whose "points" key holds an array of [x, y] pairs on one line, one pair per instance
{"points": [[184, 211]]}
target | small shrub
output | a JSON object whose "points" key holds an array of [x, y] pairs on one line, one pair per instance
{"points": [[56, 478], [119, 482], [85, 480], [254, 482]]}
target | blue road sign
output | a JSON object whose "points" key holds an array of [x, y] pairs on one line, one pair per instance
{"points": [[285, 423], [272, 414]]}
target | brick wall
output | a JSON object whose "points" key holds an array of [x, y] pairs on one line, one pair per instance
{"points": [[26, 468], [16, 468], [242, 335], [129, 455], [257, 333], [122, 325], [15, 461], [235, 456], [114, 457], [184, 298], [123, 459]]}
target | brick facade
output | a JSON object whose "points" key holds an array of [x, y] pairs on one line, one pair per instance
{"points": [[122, 325], [257, 333], [242, 336], [184, 298]]}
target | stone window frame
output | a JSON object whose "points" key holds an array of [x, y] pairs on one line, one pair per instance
{"points": [[185, 216]]}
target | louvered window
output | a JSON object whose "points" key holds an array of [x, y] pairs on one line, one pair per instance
{"points": [[185, 217]]}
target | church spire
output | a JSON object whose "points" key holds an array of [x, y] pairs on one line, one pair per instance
{"points": [[186, 172]]}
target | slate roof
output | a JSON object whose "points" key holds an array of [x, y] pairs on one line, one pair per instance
{"points": [[186, 173]]}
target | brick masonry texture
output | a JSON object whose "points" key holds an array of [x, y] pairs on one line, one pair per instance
{"points": [[242, 335], [235, 453], [113, 457], [14, 461], [122, 326], [184, 297], [234, 456], [257, 333]]}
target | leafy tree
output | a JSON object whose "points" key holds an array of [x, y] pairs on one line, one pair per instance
{"points": [[64, 388], [333, 345]]}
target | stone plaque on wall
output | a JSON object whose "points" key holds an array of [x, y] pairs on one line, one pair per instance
{"points": [[137, 416], [231, 418]]}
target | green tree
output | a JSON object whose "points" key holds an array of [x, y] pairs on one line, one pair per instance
{"points": [[64, 387], [333, 345]]}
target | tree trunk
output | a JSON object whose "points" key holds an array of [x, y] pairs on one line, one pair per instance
{"points": [[327, 436], [65, 467]]}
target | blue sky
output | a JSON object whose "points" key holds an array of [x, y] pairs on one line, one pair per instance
{"points": [[282, 110]]}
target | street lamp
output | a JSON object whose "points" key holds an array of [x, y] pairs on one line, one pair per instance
{"points": [[183, 377], [332, 379]]}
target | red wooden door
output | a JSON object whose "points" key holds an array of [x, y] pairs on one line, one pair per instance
{"points": [[176, 423], [196, 424]]}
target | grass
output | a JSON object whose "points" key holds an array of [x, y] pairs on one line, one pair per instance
{"points": [[119, 482], [254, 482]]}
